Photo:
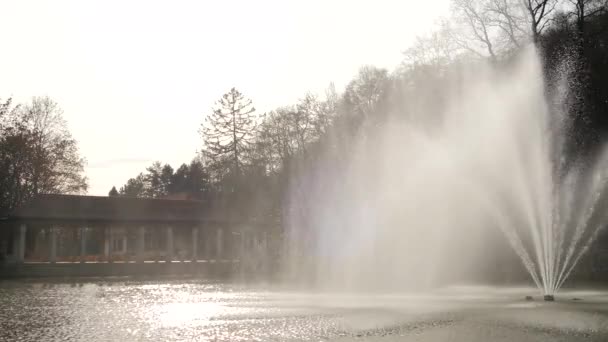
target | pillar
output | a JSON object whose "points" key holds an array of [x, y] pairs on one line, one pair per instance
{"points": [[194, 244], [219, 244], [106, 244], [52, 245], [83, 244], [169, 244], [141, 243], [264, 252], [125, 244], [111, 245], [20, 243], [243, 246], [207, 237], [156, 238]]}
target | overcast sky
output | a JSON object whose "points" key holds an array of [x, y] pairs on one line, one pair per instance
{"points": [[136, 78]]}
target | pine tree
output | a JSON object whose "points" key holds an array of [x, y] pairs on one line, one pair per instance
{"points": [[228, 133], [135, 187], [113, 192]]}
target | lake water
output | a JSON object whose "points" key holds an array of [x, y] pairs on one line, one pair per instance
{"points": [[188, 310]]}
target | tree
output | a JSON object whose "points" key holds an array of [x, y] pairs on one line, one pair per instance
{"points": [[366, 90], [38, 155], [6, 109], [179, 180], [486, 28], [166, 178], [13, 157], [190, 179], [583, 11], [228, 133], [539, 14], [158, 180], [437, 50], [476, 17], [57, 167], [135, 187], [586, 9], [508, 16], [113, 192], [198, 182]]}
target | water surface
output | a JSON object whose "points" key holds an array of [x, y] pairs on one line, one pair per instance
{"points": [[188, 310]]}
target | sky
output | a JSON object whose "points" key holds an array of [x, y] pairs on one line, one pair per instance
{"points": [[137, 78]]}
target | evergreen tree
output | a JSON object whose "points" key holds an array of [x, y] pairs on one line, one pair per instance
{"points": [[228, 133], [135, 187], [158, 180], [113, 192], [179, 180], [198, 181]]}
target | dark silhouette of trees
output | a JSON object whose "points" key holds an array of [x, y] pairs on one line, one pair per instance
{"points": [[135, 187], [159, 181], [539, 13], [38, 155], [113, 192], [579, 36]]}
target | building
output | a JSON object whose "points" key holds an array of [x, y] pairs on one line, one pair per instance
{"points": [[90, 230]]}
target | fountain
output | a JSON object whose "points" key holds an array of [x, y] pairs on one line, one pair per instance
{"points": [[419, 198]]}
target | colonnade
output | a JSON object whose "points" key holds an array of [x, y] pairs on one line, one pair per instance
{"points": [[214, 243]]}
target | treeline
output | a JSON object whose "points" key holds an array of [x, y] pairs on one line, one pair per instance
{"points": [[274, 156], [37, 153], [160, 181]]}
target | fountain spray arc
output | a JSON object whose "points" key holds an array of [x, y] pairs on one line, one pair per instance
{"points": [[566, 205], [413, 201]]}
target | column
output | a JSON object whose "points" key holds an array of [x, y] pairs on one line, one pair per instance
{"points": [[169, 244], [264, 252], [106, 243], [20, 243], [243, 246], [125, 244], [111, 245], [156, 238], [219, 244], [141, 243], [194, 244], [83, 244], [208, 241], [52, 244]]}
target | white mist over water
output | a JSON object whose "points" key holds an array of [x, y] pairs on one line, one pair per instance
{"points": [[418, 204]]}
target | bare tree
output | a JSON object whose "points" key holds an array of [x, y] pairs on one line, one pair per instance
{"points": [[485, 28], [508, 16], [56, 165], [539, 15], [474, 16], [585, 9], [436, 50], [37, 153], [365, 91]]}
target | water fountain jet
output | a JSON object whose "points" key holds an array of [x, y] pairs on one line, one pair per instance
{"points": [[406, 206]]}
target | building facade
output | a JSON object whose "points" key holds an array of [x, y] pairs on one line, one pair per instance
{"points": [[68, 229]]}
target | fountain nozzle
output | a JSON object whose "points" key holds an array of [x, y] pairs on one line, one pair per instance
{"points": [[549, 298]]}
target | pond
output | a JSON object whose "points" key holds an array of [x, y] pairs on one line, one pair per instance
{"points": [[191, 310]]}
